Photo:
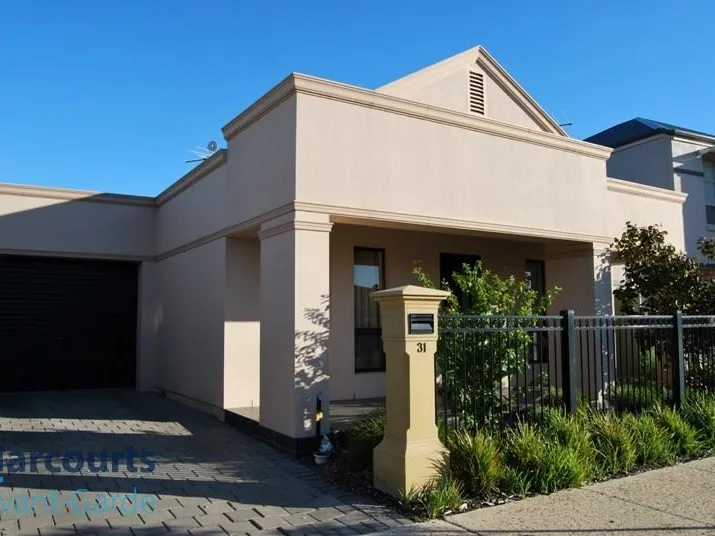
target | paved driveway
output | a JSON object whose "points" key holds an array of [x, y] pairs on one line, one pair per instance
{"points": [[123, 462]]}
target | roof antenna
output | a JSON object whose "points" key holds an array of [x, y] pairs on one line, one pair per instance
{"points": [[567, 123], [203, 153]]}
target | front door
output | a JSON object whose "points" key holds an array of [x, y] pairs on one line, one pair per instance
{"points": [[449, 263]]}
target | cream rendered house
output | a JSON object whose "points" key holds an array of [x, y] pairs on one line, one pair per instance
{"points": [[252, 271]]}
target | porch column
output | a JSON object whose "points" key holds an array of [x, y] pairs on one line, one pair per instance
{"points": [[295, 315], [584, 275]]}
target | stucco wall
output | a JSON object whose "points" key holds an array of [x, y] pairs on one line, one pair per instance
{"points": [[646, 162], [261, 164], [451, 91], [37, 224], [638, 207], [191, 323], [391, 162], [402, 249], [194, 213], [148, 320], [690, 175], [242, 324]]}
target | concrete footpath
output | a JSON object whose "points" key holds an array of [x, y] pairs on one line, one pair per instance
{"points": [[675, 500]]}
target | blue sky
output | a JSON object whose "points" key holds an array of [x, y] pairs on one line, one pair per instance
{"points": [[110, 96]]}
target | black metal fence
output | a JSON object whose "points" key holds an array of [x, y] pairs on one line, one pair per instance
{"points": [[494, 370]]}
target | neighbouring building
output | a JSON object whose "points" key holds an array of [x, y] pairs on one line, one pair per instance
{"points": [[245, 284], [669, 157]]}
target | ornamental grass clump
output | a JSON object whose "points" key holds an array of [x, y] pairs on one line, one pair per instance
{"points": [[653, 444], [699, 412], [686, 439], [476, 461], [613, 444]]}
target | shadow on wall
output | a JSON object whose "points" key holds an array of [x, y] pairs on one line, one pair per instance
{"points": [[603, 284], [312, 366], [107, 225]]}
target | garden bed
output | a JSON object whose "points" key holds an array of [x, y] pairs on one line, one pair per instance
{"points": [[555, 452]]}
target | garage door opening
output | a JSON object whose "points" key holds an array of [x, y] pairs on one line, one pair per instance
{"points": [[67, 323]]}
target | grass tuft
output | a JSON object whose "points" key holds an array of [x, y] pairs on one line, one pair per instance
{"points": [[699, 412], [653, 444], [686, 439], [476, 461], [613, 444]]}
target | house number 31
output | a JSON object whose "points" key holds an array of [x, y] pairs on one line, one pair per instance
{"points": [[421, 347]]}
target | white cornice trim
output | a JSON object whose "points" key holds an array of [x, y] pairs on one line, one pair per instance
{"points": [[213, 162], [294, 226], [642, 190], [449, 223], [694, 139], [65, 194], [337, 211], [277, 94], [388, 103], [307, 85]]}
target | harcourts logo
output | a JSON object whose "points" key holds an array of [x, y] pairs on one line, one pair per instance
{"points": [[76, 461], [21, 504]]}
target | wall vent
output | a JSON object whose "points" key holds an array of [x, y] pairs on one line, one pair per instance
{"points": [[476, 93]]}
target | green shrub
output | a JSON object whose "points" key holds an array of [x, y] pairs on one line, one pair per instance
{"points": [[543, 462], [653, 444], [363, 436], [638, 397], [571, 431], [685, 438], [475, 461], [699, 412], [445, 496], [434, 499], [514, 482], [613, 444]]}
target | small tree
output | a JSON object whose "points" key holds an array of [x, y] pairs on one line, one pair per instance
{"points": [[659, 279], [480, 346]]}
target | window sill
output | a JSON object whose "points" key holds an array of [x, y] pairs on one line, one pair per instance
{"points": [[710, 228], [368, 371]]}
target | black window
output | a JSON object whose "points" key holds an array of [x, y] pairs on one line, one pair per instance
{"points": [[368, 276], [710, 214], [449, 263], [535, 275]]}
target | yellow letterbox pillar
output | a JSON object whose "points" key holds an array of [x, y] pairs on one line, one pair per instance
{"points": [[408, 453]]}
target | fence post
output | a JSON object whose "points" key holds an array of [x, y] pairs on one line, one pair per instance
{"points": [[678, 364], [568, 360]]}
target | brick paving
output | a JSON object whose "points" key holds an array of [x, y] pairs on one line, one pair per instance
{"points": [[208, 478]]}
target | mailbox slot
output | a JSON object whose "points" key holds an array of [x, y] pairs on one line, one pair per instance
{"points": [[420, 323]]}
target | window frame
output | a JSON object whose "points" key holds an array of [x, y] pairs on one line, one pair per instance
{"points": [[709, 199], [369, 331]]}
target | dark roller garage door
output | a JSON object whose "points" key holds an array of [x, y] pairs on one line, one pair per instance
{"points": [[67, 323]]}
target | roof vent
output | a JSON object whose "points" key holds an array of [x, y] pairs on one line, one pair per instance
{"points": [[476, 93]]}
